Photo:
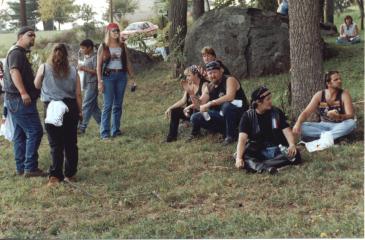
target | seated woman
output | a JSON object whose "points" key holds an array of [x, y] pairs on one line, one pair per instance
{"points": [[188, 104], [349, 32]]}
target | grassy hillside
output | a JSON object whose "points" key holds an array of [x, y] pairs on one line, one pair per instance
{"points": [[137, 187]]}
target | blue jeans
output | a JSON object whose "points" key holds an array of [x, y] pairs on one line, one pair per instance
{"points": [[344, 41], [28, 133], [314, 129], [226, 124], [114, 88], [90, 106]]}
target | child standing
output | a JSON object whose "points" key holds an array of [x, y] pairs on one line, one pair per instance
{"points": [[90, 86]]}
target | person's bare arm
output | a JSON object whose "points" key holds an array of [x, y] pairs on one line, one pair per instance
{"points": [[348, 107], [241, 146], [179, 103], [18, 82], [311, 108], [99, 63], [232, 85], [292, 151], [39, 77], [78, 95]]}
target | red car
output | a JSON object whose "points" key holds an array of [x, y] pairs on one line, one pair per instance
{"points": [[147, 28]]}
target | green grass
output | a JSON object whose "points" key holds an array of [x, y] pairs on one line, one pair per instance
{"points": [[139, 188]]}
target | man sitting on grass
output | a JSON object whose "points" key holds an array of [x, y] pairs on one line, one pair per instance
{"points": [[269, 137], [335, 109], [227, 102]]}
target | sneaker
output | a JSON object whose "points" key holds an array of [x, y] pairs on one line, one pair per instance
{"points": [[117, 134], [53, 181], [70, 179], [272, 170], [35, 173], [170, 139], [325, 141]]}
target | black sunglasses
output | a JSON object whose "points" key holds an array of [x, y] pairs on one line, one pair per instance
{"points": [[31, 35], [115, 30]]}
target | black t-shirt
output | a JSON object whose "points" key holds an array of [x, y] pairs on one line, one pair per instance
{"points": [[267, 124], [17, 59]]}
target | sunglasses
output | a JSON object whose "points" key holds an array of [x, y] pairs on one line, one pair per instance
{"points": [[31, 35], [116, 31]]}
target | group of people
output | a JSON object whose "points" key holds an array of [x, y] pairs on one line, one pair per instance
{"points": [[58, 84], [215, 100]]}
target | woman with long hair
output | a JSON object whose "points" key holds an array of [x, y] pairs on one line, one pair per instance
{"points": [[349, 32], [61, 94], [112, 69], [188, 104]]}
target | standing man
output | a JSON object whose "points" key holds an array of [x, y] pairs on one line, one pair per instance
{"points": [[21, 100], [335, 109], [264, 128], [227, 102]]}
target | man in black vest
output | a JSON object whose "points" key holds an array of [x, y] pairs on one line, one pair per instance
{"points": [[267, 133], [21, 100], [227, 102]]}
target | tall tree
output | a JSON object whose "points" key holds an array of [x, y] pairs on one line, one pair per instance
{"points": [[321, 10], [198, 8], [177, 32], [23, 14], [61, 11], [360, 3], [330, 9], [305, 53], [111, 11], [31, 12], [119, 8]]}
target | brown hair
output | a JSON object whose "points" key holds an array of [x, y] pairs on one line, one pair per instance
{"points": [[59, 60], [348, 17], [328, 75], [208, 50]]}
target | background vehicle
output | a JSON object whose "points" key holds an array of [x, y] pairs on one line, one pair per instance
{"points": [[147, 28]]}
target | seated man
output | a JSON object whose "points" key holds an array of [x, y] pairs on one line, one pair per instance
{"points": [[349, 32], [227, 102], [265, 129], [335, 109]]}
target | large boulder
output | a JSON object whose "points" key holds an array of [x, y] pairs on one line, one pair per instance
{"points": [[250, 42]]}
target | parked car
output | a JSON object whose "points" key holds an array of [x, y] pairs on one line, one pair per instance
{"points": [[147, 28]]}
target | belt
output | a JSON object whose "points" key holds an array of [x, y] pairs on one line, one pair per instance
{"points": [[114, 70]]}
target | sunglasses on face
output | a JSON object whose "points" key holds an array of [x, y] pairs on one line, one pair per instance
{"points": [[31, 34], [115, 31]]}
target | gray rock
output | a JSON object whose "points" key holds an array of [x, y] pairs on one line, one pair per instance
{"points": [[250, 42]]}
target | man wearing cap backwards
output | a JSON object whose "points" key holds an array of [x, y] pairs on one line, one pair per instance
{"points": [[21, 100], [264, 128], [227, 102]]}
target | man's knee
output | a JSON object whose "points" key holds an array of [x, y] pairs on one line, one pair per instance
{"points": [[196, 117], [227, 107]]}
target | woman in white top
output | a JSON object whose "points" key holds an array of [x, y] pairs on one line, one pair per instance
{"points": [[349, 32], [112, 69]]}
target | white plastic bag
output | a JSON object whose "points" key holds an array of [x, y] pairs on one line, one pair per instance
{"points": [[55, 112], [7, 129]]}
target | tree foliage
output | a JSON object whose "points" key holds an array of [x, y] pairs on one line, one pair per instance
{"points": [[61, 11], [121, 8], [31, 12], [227, 3]]}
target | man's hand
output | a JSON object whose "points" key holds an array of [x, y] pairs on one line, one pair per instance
{"points": [[292, 151], [240, 163], [333, 114], [205, 107], [186, 111], [100, 87], [26, 99], [168, 113], [297, 129]]}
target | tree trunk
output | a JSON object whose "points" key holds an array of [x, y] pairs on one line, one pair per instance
{"points": [[22, 13], [110, 11], [207, 5], [198, 9], [305, 53], [177, 32], [329, 11], [48, 25], [361, 7], [321, 11]]}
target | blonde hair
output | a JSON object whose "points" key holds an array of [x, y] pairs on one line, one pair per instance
{"points": [[208, 50]]}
